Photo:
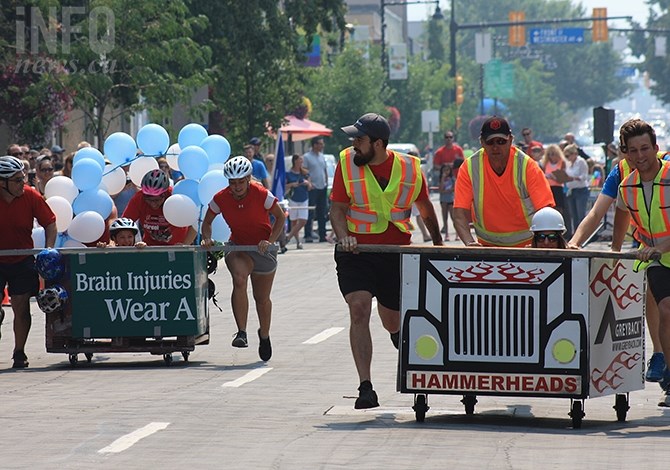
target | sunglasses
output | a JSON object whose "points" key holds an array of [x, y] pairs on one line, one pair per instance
{"points": [[552, 237], [17, 180], [448, 136], [499, 141], [526, 133]]}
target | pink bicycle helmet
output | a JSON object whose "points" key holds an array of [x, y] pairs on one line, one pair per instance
{"points": [[155, 183]]}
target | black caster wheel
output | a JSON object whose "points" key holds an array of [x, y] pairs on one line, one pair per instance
{"points": [[469, 401], [167, 358], [89, 357], [621, 406], [420, 407], [185, 355], [74, 358], [577, 413]]}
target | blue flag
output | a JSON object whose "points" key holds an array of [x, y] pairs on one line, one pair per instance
{"points": [[279, 177]]}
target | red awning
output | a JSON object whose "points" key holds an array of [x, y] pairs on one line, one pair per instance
{"points": [[302, 129]]}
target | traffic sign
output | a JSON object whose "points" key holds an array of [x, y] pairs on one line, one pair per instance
{"points": [[557, 36]]}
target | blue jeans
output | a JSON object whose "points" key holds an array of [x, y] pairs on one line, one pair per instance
{"points": [[577, 201], [319, 200]]}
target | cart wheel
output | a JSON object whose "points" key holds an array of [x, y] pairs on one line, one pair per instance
{"points": [[89, 357], [577, 413], [420, 407], [167, 357], [469, 401], [621, 406], [74, 358], [185, 355]]}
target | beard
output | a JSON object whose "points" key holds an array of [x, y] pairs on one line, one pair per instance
{"points": [[361, 159]]}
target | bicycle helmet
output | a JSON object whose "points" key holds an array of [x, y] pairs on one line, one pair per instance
{"points": [[9, 166], [547, 219], [155, 183], [237, 167], [52, 299], [122, 223], [49, 264]]}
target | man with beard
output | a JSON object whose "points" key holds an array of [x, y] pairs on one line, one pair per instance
{"points": [[500, 188], [373, 192]]}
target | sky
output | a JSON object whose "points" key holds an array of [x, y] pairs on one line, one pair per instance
{"points": [[634, 8]]}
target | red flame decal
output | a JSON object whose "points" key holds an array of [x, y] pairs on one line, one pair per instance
{"points": [[495, 274], [612, 281], [610, 377]]}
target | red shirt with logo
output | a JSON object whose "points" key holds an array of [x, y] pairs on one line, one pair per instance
{"points": [[157, 231], [17, 222], [248, 218]]}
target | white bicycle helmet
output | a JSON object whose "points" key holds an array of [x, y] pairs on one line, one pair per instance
{"points": [[237, 167], [9, 166], [155, 183], [122, 223], [52, 299], [547, 219]]}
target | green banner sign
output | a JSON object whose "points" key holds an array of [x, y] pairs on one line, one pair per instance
{"points": [[499, 79], [153, 294]]}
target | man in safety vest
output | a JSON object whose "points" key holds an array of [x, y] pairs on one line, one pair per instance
{"points": [[645, 193], [500, 188], [372, 197]]}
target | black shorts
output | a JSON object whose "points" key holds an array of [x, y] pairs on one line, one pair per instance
{"points": [[377, 273], [21, 277], [659, 282]]}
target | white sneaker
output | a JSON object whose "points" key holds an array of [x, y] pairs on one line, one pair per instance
{"points": [[665, 399]]}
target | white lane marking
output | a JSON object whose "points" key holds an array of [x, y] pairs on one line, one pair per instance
{"points": [[248, 377], [124, 442], [324, 335]]}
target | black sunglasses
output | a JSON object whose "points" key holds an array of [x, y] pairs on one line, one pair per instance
{"points": [[499, 141], [552, 237]]}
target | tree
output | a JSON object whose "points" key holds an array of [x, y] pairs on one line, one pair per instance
{"points": [[258, 51], [658, 67]]}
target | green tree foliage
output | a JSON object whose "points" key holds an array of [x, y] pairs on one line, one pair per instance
{"points": [[257, 53], [658, 68]]}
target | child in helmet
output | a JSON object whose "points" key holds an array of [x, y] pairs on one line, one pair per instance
{"points": [[548, 228], [123, 232]]}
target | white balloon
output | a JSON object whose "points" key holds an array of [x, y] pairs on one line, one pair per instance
{"points": [[114, 180], [61, 186], [210, 184], [62, 208], [140, 167], [39, 237], [220, 229], [172, 155], [87, 227], [180, 210], [72, 243]]}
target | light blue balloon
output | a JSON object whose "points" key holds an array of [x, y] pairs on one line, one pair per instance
{"points": [[86, 174], [89, 152], [152, 139], [217, 148], [120, 148], [188, 187], [95, 200], [193, 162], [220, 229], [191, 134], [210, 184]]}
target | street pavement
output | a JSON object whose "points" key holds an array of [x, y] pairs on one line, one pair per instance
{"points": [[227, 409]]}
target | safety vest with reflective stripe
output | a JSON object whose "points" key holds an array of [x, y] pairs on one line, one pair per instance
{"points": [[372, 208], [624, 169], [652, 221], [520, 162]]}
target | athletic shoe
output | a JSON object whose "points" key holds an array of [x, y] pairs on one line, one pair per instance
{"points": [[655, 367], [665, 399], [20, 360], [367, 398], [264, 347], [395, 338], [240, 340]]}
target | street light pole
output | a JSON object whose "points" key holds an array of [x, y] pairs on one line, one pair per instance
{"points": [[453, 29]]}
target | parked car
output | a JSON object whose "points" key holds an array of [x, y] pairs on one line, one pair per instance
{"points": [[408, 147], [331, 163]]}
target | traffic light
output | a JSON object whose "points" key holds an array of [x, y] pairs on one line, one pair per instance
{"points": [[517, 33], [459, 90], [599, 32]]}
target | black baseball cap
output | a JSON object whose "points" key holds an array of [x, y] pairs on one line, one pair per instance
{"points": [[495, 126], [255, 141], [371, 124]]}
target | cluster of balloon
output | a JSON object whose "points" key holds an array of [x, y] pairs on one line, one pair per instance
{"points": [[83, 203], [51, 266]]}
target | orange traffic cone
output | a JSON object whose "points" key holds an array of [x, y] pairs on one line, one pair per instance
{"points": [[5, 300]]}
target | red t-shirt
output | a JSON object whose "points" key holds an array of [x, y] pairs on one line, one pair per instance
{"points": [[392, 235], [17, 222], [157, 230], [445, 155], [248, 217]]}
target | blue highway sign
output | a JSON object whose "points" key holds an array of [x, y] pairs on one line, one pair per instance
{"points": [[557, 36]]}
